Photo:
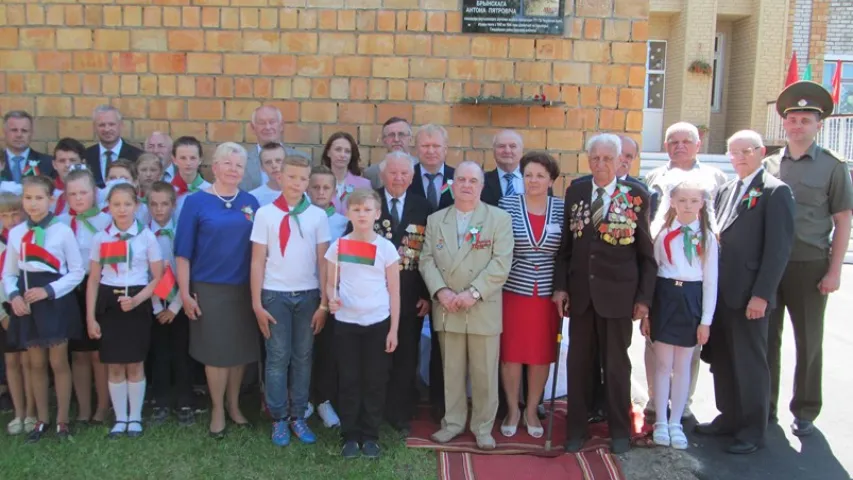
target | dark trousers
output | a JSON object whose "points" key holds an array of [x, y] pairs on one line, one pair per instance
{"points": [[362, 377], [589, 334], [799, 294], [402, 393], [598, 397], [324, 374], [436, 372], [170, 360], [741, 373]]}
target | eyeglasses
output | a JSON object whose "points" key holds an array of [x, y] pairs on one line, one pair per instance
{"points": [[396, 135], [744, 152]]}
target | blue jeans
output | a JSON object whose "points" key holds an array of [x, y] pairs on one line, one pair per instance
{"points": [[289, 350]]}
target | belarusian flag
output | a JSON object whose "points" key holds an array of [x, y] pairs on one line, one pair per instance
{"points": [[113, 253], [35, 253], [354, 251], [167, 287]]}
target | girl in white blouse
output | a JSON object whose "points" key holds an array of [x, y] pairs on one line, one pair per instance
{"points": [[41, 269], [86, 219], [125, 266], [686, 250]]}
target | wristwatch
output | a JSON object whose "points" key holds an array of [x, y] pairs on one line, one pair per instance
{"points": [[474, 293]]}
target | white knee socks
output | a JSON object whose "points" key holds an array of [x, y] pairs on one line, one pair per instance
{"points": [[136, 397], [118, 395]]}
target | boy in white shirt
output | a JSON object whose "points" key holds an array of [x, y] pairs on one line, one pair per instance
{"points": [[289, 239], [272, 158]]}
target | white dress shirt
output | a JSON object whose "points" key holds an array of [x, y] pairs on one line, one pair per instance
{"points": [[144, 250], [115, 156], [84, 235], [167, 245], [608, 193], [704, 270], [517, 180], [169, 173]]}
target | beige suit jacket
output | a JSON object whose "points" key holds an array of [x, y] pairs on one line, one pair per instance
{"points": [[484, 266]]}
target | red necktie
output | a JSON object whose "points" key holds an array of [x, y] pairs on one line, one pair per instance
{"points": [[667, 243], [180, 185], [284, 227], [73, 219]]}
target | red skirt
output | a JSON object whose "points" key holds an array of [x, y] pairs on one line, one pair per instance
{"points": [[529, 329]]}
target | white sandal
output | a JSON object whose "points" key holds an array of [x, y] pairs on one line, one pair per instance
{"points": [[15, 427], [661, 434], [677, 438], [510, 430], [30, 424]]}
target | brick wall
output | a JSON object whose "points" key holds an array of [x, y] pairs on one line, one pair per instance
{"points": [[802, 21], [817, 37], [199, 67], [839, 33]]}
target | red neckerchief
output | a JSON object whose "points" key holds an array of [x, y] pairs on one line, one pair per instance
{"points": [[60, 201]]}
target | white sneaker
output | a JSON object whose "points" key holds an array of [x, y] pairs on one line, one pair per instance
{"points": [[309, 410], [328, 415], [15, 427], [676, 435], [661, 434]]}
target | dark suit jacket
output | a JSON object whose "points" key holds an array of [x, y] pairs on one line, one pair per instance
{"points": [[45, 164], [610, 277], [93, 158], [417, 186], [653, 194], [492, 192], [413, 217], [754, 242]]}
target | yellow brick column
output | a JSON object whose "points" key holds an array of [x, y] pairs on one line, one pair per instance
{"points": [[688, 95]]}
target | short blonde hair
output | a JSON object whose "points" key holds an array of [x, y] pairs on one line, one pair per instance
{"points": [[9, 202], [227, 149], [360, 196], [296, 161]]}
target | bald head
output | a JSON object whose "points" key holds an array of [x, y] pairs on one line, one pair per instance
{"points": [[467, 185], [160, 144]]}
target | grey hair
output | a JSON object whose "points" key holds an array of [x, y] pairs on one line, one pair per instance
{"points": [[229, 148], [508, 132], [105, 109], [157, 132], [476, 166], [270, 107], [396, 156], [750, 135], [606, 139], [17, 114], [634, 142], [682, 127], [432, 129]]}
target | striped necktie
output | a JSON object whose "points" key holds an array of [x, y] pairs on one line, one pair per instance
{"points": [[598, 206], [510, 188]]}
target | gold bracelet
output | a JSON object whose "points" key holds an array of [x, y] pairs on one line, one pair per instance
{"points": [[324, 307]]}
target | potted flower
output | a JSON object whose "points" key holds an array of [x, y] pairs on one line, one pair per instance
{"points": [[703, 132], [700, 67]]}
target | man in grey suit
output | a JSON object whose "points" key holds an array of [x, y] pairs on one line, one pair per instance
{"points": [[397, 137], [755, 214], [267, 123]]}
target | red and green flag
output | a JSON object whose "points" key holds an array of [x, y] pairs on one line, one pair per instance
{"points": [[354, 251], [114, 253], [167, 287], [32, 248]]}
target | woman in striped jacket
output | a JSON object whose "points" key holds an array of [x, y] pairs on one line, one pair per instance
{"points": [[530, 319]]}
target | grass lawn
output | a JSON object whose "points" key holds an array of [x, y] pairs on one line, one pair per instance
{"points": [[168, 452]]}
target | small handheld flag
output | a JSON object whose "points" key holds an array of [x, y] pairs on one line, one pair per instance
{"points": [[113, 253], [167, 287], [354, 251]]}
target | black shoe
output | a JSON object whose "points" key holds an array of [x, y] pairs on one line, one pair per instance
{"points": [[802, 428], [217, 435], [114, 434], [710, 429], [370, 449], [574, 445], [200, 401], [160, 415], [350, 450], [63, 433], [595, 417], [186, 417], [39, 431], [742, 448], [620, 445]]}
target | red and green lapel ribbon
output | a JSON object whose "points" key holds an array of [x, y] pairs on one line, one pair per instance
{"points": [[32, 168], [83, 217], [284, 227], [692, 243], [32, 247], [446, 188], [750, 198]]}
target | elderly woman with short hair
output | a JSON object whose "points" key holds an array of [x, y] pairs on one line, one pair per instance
{"points": [[213, 255], [529, 316]]}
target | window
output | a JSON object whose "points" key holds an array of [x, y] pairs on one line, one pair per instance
{"points": [[845, 104], [717, 80], [655, 66]]}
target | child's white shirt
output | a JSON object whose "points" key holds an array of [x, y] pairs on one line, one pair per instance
{"points": [[703, 269], [167, 248]]}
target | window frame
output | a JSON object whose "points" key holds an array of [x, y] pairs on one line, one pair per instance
{"points": [[717, 73]]}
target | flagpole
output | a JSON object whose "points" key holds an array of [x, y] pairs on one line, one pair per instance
{"points": [[337, 266], [127, 270], [26, 281]]}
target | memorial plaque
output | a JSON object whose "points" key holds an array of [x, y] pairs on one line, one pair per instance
{"points": [[532, 17]]}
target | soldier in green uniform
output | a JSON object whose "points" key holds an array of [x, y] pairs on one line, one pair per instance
{"points": [[823, 193]]}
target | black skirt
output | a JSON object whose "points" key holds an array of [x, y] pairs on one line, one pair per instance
{"points": [[50, 322], [676, 312], [84, 344], [125, 336]]}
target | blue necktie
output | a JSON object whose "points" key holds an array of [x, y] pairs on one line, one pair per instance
{"points": [[16, 168], [510, 188], [432, 192]]}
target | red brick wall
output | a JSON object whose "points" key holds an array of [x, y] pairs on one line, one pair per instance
{"points": [[199, 67]]}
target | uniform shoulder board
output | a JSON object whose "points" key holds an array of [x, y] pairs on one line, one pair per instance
{"points": [[833, 154]]}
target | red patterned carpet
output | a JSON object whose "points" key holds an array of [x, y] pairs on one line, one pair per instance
{"points": [[524, 457]]}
